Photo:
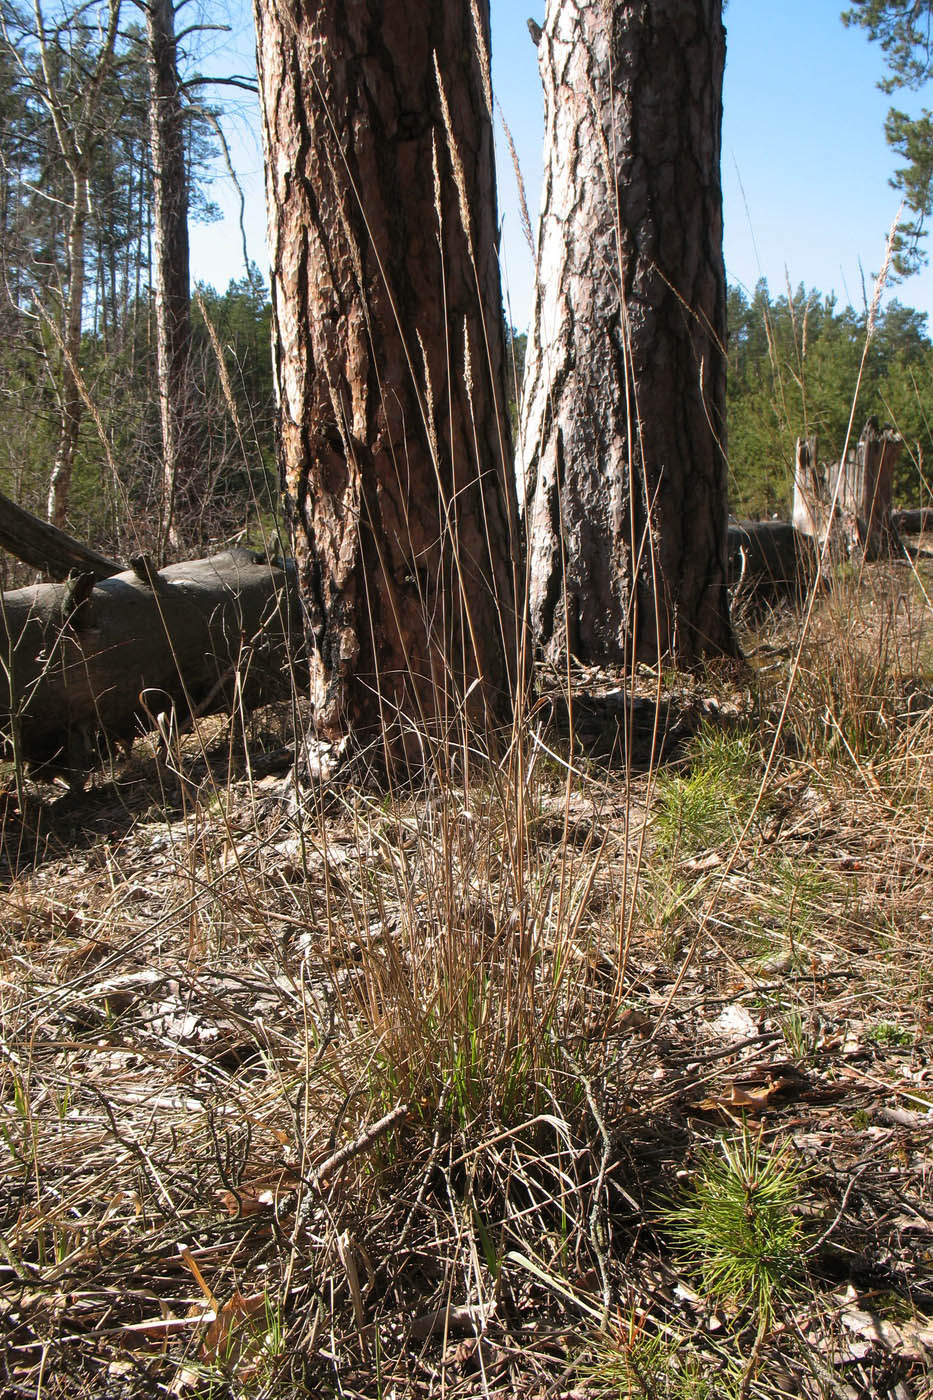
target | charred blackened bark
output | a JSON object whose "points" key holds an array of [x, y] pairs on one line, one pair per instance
{"points": [[390, 356], [623, 456]]}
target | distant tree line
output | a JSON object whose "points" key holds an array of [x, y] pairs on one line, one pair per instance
{"points": [[793, 370]]}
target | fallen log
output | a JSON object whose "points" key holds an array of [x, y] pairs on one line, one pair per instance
{"points": [[768, 558], [47, 548], [913, 522], [92, 662]]}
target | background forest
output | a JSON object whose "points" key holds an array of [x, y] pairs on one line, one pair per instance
{"points": [[793, 357], [114, 497]]}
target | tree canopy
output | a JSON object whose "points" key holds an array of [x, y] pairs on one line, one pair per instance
{"points": [[904, 29]]}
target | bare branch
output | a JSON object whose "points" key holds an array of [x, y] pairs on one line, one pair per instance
{"points": [[237, 80]]}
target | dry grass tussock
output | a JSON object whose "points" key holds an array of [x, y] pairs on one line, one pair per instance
{"points": [[588, 1076]]}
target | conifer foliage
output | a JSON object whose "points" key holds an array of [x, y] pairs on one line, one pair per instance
{"points": [[904, 29]]}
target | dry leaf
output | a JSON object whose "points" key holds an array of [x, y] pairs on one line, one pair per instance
{"points": [[905, 1117], [473, 1353], [735, 1023], [461, 1319], [255, 1197], [700, 864], [229, 1333], [241, 1203], [632, 1019], [186, 1379], [755, 1099], [162, 1329], [780, 963], [912, 1340]]}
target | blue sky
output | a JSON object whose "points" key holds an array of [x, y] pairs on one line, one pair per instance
{"points": [[805, 165]]}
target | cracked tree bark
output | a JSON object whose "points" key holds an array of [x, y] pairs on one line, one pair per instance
{"points": [[623, 464], [390, 358]]}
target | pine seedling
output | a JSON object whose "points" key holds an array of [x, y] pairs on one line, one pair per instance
{"points": [[738, 1228]]}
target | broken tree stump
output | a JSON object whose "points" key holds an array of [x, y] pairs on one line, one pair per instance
{"points": [[811, 504], [863, 495], [847, 509], [92, 662]]}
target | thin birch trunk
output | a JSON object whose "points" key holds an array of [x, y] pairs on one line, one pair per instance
{"points": [[70, 393], [74, 115], [171, 257]]}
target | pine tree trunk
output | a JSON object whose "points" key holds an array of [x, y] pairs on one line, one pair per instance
{"points": [[623, 417], [390, 357], [170, 248]]}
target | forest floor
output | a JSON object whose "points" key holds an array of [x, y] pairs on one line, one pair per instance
{"points": [[604, 1072]]}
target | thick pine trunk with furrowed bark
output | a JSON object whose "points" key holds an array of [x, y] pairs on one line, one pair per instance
{"points": [[390, 357], [623, 420]]}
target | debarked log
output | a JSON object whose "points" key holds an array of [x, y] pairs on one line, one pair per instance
{"points": [[92, 662]]}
